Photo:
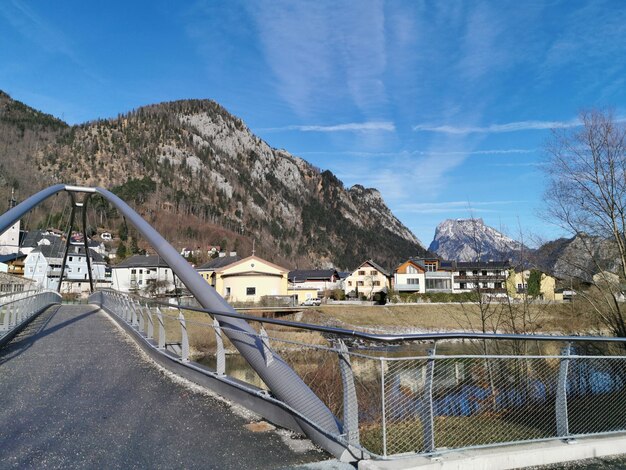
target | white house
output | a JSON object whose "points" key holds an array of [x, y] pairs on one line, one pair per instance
{"points": [[146, 273], [43, 264]]}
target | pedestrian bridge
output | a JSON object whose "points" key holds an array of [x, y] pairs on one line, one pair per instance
{"points": [[72, 382]]}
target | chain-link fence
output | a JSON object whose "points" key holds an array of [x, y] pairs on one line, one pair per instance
{"points": [[416, 394]]}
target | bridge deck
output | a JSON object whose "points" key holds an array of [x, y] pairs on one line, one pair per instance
{"points": [[75, 393]]}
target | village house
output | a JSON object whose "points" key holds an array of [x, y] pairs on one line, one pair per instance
{"points": [[10, 283], [438, 274], [369, 280], [517, 285], [410, 277], [44, 265], [145, 274], [485, 276], [245, 280], [313, 283]]}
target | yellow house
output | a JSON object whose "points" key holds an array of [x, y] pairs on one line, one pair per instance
{"points": [[517, 285], [245, 280], [303, 293]]}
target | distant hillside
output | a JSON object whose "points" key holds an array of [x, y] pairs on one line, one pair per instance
{"points": [[200, 176], [577, 258], [472, 240]]}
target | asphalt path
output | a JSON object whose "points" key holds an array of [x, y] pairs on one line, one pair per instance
{"points": [[74, 393]]}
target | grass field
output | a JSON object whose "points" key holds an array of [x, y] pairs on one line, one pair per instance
{"points": [[550, 318]]}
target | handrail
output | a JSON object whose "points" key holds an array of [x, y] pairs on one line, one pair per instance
{"points": [[392, 337]]}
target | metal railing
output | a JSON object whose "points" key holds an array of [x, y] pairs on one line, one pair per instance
{"points": [[17, 309], [401, 395]]}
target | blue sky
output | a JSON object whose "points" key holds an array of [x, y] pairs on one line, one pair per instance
{"points": [[444, 106]]}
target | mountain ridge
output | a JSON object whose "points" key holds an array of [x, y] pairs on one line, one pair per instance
{"points": [[206, 166]]}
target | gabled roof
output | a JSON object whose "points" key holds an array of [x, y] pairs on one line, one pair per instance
{"points": [[220, 262], [57, 249], [142, 261], [312, 275], [32, 238], [444, 264], [256, 258], [413, 262], [374, 265], [11, 257]]}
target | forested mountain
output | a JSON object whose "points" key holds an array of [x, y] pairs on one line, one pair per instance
{"points": [[200, 176]]}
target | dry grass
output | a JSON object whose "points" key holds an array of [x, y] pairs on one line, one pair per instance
{"points": [[556, 317]]}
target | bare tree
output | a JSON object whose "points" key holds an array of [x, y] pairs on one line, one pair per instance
{"points": [[587, 197]]}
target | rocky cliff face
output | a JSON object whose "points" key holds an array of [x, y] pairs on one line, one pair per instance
{"points": [[472, 240], [194, 159], [577, 258]]}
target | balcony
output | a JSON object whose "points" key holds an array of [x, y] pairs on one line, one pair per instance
{"points": [[438, 275], [407, 287]]}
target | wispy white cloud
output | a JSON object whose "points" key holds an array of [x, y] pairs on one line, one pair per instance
{"points": [[356, 153], [322, 53], [348, 127], [498, 128]]}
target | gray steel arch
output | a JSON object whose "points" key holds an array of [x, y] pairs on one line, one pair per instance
{"points": [[281, 379]]}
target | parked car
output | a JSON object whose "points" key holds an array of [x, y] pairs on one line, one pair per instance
{"points": [[312, 302]]}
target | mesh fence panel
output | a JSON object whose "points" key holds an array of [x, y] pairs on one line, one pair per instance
{"points": [[477, 393], [596, 395]]}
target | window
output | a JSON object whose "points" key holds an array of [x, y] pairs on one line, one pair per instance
{"points": [[71, 258], [377, 283], [78, 269], [462, 273], [361, 273], [484, 273], [411, 270], [373, 272], [463, 285], [431, 267], [413, 281], [359, 283], [349, 283], [133, 271], [250, 290], [141, 271], [227, 291]]}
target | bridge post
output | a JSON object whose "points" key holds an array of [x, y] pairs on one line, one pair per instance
{"points": [[134, 315], [4, 324], [220, 353], [142, 321], [150, 333], [562, 424], [126, 310], [184, 338], [428, 421], [350, 401], [12, 319], [161, 329]]}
